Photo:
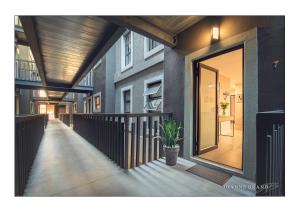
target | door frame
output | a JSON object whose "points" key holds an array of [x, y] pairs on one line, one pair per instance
{"points": [[195, 106], [198, 107]]}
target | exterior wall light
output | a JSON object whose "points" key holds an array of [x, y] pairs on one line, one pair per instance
{"points": [[215, 33]]}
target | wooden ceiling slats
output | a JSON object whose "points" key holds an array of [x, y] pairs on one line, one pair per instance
{"points": [[172, 24], [66, 42]]}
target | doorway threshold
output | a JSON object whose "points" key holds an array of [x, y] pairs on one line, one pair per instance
{"points": [[217, 166]]}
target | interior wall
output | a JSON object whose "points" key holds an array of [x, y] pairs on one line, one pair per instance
{"points": [[238, 108], [230, 67], [224, 87], [50, 110]]}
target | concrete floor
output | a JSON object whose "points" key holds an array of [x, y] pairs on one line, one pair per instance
{"points": [[67, 165]]}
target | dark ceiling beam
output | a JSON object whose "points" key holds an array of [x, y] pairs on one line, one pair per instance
{"points": [[98, 52], [143, 27], [52, 101], [32, 38], [39, 86], [21, 42]]}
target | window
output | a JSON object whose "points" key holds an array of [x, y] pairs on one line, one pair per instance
{"points": [[151, 47], [43, 108], [97, 102], [153, 99], [42, 93], [126, 99], [126, 50], [31, 107], [152, 44]]}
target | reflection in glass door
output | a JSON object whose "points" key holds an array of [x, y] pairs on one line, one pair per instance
{"points": [[208, 126]]}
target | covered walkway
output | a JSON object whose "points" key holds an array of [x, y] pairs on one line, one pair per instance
{"points": [[67, 165]]}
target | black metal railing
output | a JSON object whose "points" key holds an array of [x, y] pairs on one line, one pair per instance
{"points": [[29, 131], [127, 139], [65, 118], [270, 168], [26, 70]]}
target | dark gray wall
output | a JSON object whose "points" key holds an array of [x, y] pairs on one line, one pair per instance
{"points": [[174, 86], [197, 36], [100, 81], [79, 100], [25, 96], [271, 85], [110, 63]]}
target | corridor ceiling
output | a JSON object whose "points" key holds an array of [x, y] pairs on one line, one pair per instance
{"points": [[65, 48]]}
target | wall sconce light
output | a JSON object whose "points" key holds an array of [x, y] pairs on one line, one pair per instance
{"points": [[215, 32]]}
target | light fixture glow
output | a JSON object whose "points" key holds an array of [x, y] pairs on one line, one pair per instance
{"points": [[215, 33], [42, 93]]}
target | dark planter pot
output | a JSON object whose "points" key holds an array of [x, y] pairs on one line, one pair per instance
{"points": [[171, 155]]}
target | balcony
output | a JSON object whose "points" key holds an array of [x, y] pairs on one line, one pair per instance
{"points": [[87, 81], [27, 71]]}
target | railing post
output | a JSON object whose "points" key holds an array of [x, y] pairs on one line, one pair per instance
{"points": [[160, 154], [119, 142], [137, 157], [155, 140], [149, 139], [126, 141], [144, 142], [132, 144], [122, 145]]}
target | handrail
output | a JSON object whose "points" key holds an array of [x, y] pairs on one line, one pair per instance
{"points": [[126, 114], [270, 157], [26, 70], [27, 61], [29, 130], [128, 139]]}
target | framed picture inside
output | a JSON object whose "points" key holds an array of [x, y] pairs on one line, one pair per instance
{"points": [[239, 98]]}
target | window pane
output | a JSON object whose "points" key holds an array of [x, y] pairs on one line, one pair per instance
{"points": [[126, 95], [127, 107], [43, 109], [97, 102], [152, 44], [127, 42], [157, 87]]}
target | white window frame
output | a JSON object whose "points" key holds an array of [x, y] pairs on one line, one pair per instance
{"points": [[84, 106], [148, 53], [152, 80], [94, 102], [31, 107], [123, 67], [130, 87]]}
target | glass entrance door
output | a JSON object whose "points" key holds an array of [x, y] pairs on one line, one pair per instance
{"points": [[208, 109]]}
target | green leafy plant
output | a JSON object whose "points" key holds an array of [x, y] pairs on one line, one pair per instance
{"points": [[171, 132], [224, 105]]}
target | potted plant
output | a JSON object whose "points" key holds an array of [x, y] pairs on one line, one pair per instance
{"points": [[170, 138], [224, 106]]}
